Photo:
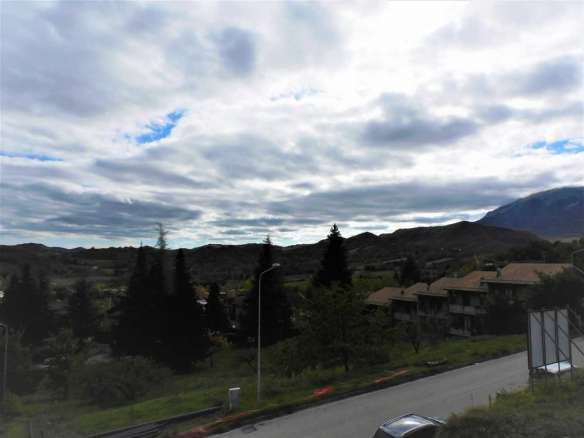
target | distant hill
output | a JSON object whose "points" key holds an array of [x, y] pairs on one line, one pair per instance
{"points": [[459, 241], [556, 213]]}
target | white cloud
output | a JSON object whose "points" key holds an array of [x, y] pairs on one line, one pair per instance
{"points": [[296, 105]]}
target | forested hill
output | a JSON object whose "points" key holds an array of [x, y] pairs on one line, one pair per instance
{"points": [[222, 262]]}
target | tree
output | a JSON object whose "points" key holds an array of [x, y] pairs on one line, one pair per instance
{"points": [[275, 307], [25, 307], [187, 339], [560, 290], [216, 315], [64, 358], [83, 311], [410, 272], [135, 333], [336, 329], [333, 267]]}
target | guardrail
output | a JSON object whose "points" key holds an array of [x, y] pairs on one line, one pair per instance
{"points": [[154, 428]]}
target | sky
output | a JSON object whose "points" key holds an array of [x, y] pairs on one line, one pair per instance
{"points": [[228, 121]]}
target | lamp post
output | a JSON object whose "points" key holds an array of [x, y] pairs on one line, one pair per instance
{"points": [[274, 266], [5, 364]]}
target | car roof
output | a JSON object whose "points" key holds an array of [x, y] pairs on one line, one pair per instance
{"points": [[399, 427]]}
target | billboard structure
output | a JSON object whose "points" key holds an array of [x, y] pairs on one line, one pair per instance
{"points": [[549, 348]]}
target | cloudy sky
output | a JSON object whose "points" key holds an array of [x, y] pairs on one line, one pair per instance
{"points": [[227, 121]]}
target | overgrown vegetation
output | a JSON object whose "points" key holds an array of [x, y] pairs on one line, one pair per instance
{"points": [[551, 410]]}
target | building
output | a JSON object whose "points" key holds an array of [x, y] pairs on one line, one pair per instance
{"points": [[468, 304], [433, 304], [404, 303], [513, 280]]}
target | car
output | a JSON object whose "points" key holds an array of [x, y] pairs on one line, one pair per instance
{"points": [[410, 426]]}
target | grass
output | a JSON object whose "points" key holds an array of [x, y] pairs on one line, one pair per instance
{"points": [[208, 385], [553, 409]]}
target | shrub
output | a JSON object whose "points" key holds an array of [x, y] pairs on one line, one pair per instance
{"points": [[13, 406], [120, 381]]}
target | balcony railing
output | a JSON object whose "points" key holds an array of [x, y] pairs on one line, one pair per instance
{"points": [[434, 313], [459, 332], [467, 310], [400, 316]]}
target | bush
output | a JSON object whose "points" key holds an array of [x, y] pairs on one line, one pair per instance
{"points": [[120, 381], [13, 406]]}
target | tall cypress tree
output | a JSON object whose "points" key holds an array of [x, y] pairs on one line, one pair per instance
{"points": [[83, 310], [410, 272], [333, 266], [187, 339], [275, 307], [134, 333]]}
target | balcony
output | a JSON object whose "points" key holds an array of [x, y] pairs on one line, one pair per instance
{"points": [[400, 316], [458, 332], [433, 313], [467, 310]]}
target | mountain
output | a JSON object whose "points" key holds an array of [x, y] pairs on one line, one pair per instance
{"points": [[458, 242], [555, 214]]}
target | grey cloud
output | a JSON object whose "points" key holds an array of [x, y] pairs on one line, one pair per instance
{"points": [[143, 172], [91, 214], [389, 201], [237, 48], [554, 76], [251, 157], [404, 124]]}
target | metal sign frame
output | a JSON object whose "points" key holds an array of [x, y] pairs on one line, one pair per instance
{"points": [[548, 340]]}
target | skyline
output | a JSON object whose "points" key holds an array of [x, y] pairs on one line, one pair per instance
{"points": [[230, 121]]}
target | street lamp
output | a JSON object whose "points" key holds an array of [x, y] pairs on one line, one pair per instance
{"points": [[274, 266], [5, 365]]}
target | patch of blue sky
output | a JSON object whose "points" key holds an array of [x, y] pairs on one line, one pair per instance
{"points": [[158, 131], [29, 156], [565, 146]]}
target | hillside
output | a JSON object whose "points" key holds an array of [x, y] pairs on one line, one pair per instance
{"points": [[236, 262], [556, 213]]}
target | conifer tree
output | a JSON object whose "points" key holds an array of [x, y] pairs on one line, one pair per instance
{"points": [[25, 307], [215, 311], [410, 273], [187, 339], [134, 333], [275, 307], [334, 267], [82, 310]]}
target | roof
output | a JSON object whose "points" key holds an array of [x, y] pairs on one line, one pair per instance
{"points": [[382, 297], [438, 288], [527, 272], [471, 281]]}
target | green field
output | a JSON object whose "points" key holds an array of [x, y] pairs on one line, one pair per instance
{"points": [[208, 385]]}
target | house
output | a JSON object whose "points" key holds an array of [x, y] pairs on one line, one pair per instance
{"points": [[513, 280], [402, 301], [433, 304], [468, 304]]}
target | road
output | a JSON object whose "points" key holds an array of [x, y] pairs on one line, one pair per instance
{"points": [[439, 395]]}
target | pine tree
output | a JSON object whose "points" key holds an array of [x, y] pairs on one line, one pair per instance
{"points": [[275, 307], [216, 315], [82, 311], [410, 273], [134, 333], [25, 307], [334, 267], [187, 339]]}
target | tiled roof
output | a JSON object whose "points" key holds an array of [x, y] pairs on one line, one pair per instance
{"points": [[528, 272], [382, 296], [472, 280], [438, 287]]}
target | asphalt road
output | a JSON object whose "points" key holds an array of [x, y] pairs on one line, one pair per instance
{"points": [[439, 396]]}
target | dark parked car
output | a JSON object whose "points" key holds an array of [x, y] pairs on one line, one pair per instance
{"points": [[409, 426]]}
